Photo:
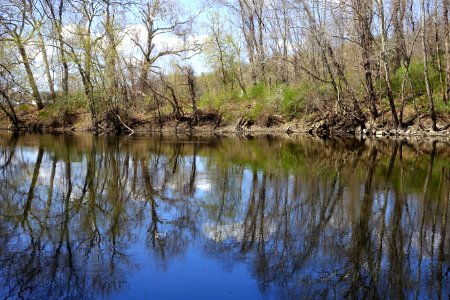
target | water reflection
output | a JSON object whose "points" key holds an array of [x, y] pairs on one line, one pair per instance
{"points": [[89, 217]]}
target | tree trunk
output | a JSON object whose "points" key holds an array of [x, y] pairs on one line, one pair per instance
{"points": [[248, 30], [447, 49], [46, 65], [191, 85], [260, 44], [57, 27], [9, 109], [62, 56], [425, 69], [111, 57], [31, 80], [386, 63], [398, 16], [363, 28], [438, 55]]}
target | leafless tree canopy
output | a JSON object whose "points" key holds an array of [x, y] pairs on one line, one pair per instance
{"points": [[352, 60]]}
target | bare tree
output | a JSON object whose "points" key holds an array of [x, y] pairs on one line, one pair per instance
{"points": [[36, 19], [387, 71], [83, 53], [54, 9], [363, 17], [447, 48], [7, 102], [13, 19], [161, 17], [425, 66]]}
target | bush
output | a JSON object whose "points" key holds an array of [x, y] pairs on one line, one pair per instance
{"points": [[262, 100], [24, 107], [294, 99], [417, 79], [441, 107], [212, 100], [258, 92], [62, 110]]}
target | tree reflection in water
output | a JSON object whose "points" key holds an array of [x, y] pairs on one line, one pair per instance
{"points": [[311, 218]]}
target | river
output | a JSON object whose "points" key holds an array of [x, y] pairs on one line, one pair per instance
{"points": [[85, 217]]}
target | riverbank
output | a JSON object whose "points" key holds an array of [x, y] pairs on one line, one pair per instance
{"points": [[322, 125]]}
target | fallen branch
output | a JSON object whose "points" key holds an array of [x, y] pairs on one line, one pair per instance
{"points": [[129, 129]]}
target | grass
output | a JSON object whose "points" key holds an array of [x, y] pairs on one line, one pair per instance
{"points": [[62, 110], [258, 101], [441, 107]]}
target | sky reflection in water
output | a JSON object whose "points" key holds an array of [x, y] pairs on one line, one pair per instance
{"points": [[223, 218]]}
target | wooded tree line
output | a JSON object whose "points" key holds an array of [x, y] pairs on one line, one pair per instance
{"points": [[355, 59]]}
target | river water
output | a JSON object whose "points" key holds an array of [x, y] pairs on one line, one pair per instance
{"points": [[84, 217]]}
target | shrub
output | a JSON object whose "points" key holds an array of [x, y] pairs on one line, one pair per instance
{"points": [[294, 98], [258, 92], [416, 75], [62, 110]]}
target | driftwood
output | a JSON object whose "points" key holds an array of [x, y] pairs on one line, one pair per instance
{"points": [[125, 125]]}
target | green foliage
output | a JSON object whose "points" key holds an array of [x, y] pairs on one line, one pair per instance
{"points": [[294, 100], [264, 100], [256, 110], [297, 98], [258, 92], [415, 82], [221, 50], [261, 99], [441, 107], [216, 100], [62, 110], [24, 107], [287, 100]]}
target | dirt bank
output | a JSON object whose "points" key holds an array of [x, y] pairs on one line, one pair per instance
{"points": [[322, 125]]}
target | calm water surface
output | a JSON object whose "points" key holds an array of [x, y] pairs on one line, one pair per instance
{"points": [[85, 217]]}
